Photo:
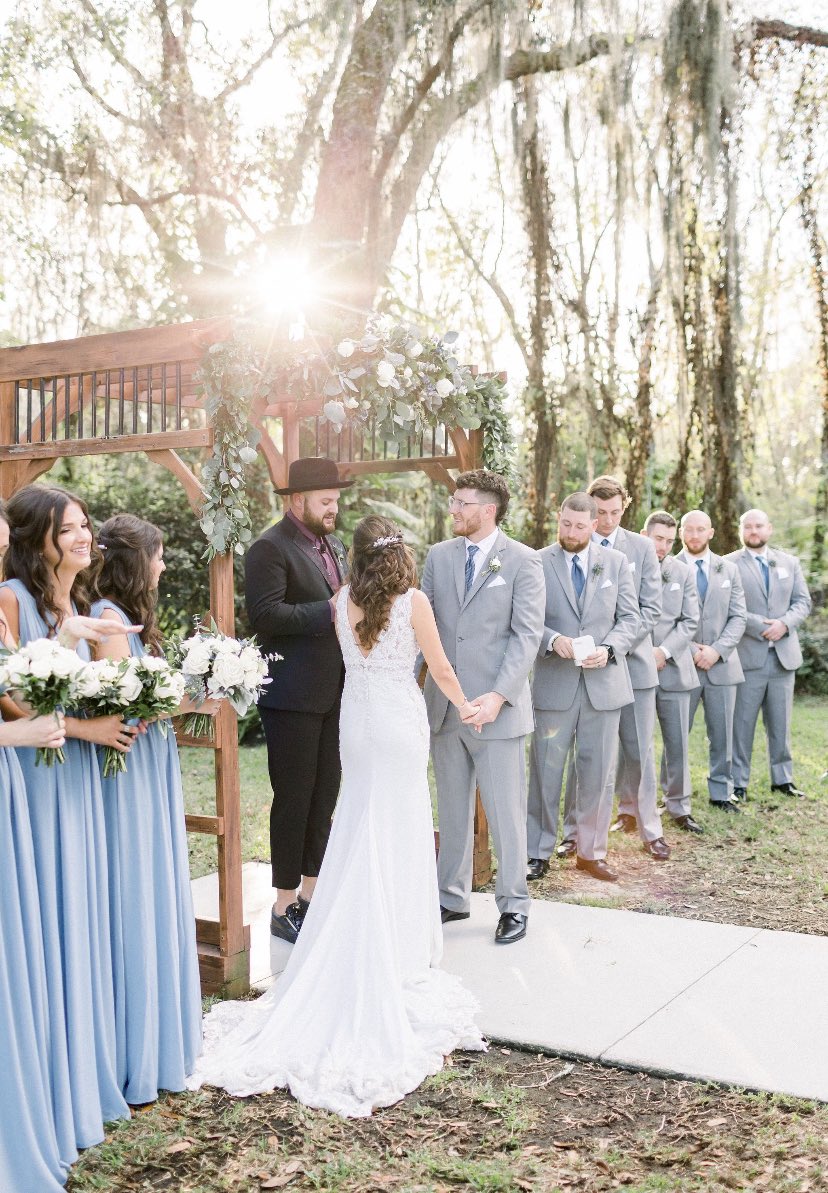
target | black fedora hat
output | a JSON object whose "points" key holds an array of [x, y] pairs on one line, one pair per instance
{"points": [[313, 472]]}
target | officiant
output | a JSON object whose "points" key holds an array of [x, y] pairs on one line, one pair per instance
{"points": [[292, 572]]}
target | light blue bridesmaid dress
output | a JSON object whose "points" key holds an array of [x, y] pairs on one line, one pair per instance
{"points": [[69, 838], [29, 1155], [154, 957]]}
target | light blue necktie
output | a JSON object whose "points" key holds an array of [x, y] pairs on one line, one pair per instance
{"points": [[763, 565], [470, 566], [577, 577], [701, 579], [604, 542]]}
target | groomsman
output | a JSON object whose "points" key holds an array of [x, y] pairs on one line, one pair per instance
{"points": [[777, 600], [672, 639], [578, 700], [721, 625], [487, 594]]}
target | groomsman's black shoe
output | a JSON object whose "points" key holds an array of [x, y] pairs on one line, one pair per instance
{"points": [[447, 916], [659, 849], [536, 868], [788, 789], [625, 824], [287, 926], [566, 849], [510, 927], [304, 905], [725, 805], [597, 868], [740, 794], [688, 824]]}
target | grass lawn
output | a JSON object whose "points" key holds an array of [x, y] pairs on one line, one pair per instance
{"points": [[507, 1120]]}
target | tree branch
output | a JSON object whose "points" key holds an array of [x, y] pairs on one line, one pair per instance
{"points": [[278, 38], [801, 35], [99, 99], [109, 44]]}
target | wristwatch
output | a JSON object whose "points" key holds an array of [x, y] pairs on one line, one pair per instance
{"points": [[610, 652]]}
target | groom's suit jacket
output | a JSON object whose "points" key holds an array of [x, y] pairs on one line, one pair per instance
{"points": [[788, 600], [491, 635], [608, 611], [287, 593], [722, 617]]}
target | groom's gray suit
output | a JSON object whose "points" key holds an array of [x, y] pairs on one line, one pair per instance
{"points": [[578, 705], [491, 637]]}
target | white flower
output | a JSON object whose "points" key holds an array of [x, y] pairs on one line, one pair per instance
{"points": [[197, 659], [88, 683], [227, 673], [385, 373], [414, 349], [346, 348], [130, 686], [444, 387], [494, 564], [408, 372], [40, 668]]}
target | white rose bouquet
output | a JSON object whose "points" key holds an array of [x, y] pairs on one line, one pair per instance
{"points": [[134, 689], [44, 675], [217, 667]]}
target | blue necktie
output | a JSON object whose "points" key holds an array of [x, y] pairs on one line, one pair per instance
{"points": [[604, 542], [577, 577], [701, 579], [763, 565], [470, 565]]}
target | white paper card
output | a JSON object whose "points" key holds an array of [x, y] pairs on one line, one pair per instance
{"points": [[583, 647]]}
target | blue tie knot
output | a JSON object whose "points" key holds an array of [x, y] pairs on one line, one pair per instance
{"points": [[604, 542]]}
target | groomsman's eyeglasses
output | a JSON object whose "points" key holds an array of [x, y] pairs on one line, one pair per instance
{"points": [[454, 503]]}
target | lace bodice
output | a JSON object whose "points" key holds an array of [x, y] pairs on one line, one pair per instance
{"points": [[395, 651]]}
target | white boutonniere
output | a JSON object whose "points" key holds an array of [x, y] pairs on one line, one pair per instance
{"points": [[494, 565]]}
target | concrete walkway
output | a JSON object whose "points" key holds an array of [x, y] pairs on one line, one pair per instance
{"points": [[688, 998]]}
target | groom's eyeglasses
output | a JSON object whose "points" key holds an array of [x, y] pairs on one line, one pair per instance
{"points": [[454, 503]]}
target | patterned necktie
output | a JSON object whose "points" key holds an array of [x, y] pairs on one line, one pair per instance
{"points": [[470, 566], [763, 567], [701, 579], [604, 542], [577, 577]]}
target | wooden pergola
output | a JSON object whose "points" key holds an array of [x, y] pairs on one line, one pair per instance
{"points": [[136, 391]]}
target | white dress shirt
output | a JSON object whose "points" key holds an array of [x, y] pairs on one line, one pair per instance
{"points": [[483, 548], [599, 538]]}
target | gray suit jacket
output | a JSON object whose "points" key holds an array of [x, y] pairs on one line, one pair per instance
{"points": [[788, 599], [609, 614], [646, 578], [723, 617], [491, 636], [676, 628]]}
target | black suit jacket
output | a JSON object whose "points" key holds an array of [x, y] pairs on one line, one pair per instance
{"points": [[287, 594]]}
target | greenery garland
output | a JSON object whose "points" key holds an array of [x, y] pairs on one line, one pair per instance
{"points": [[391, 379]]}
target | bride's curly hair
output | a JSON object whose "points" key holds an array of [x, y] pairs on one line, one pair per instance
{"points": [[382, 567]]}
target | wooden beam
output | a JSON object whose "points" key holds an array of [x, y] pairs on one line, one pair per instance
{"points": [[114, 350], [209, 932], [56, 448], [211, 826], [406, 464]]}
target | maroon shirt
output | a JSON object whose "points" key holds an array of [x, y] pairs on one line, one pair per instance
{"points": [[326, 555]]}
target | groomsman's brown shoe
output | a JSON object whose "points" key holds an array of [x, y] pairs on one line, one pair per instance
{"points": [[596, 868], [687, 824], [659, 849], [566, 849], [624, 824]]}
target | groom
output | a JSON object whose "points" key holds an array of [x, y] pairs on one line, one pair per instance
{"points": [[487, 593], [292, 572]]}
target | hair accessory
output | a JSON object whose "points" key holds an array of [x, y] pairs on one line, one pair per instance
{"points": [[101, 546], [388, 541]]}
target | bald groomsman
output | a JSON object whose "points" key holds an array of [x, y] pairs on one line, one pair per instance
{"points": [[777, 601], [677, 677], [721, 625], [579, 687]]}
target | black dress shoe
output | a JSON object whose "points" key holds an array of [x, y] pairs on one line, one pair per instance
{"points": [[566, 849], [536, 868], [659, 849], [725, 805], [788, 789], [447, 916], [688, 824], [597, 867], [625, 824], [287, 926], [740, 794], [510, 927]]}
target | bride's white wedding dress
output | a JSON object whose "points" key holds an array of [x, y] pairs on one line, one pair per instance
{"points": [[360, 1016]]}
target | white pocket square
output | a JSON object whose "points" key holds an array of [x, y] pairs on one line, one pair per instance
{"points": [[675, 587], [607, 584], [632, 565], [725, 584], [782, 573], [497, 580]]}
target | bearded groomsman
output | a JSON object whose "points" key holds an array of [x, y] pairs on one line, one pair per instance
{"points": [[721, 625], [677, 677], [578, 700], [777, 600], [487, 594]]}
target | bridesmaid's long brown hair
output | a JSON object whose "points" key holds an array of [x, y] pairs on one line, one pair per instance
{"points": [[128, 545]]}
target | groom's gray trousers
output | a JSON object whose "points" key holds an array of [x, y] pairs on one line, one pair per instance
{"points": [[463, 760]]}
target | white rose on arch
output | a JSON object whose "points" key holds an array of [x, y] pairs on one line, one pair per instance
{"points": [[444, 387], [385, 373]]}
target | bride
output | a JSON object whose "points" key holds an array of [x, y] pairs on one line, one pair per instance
{"points": [[361, 1015]]}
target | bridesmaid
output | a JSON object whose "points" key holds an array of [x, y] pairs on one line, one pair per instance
{"points": [[50, 549], [154, 958]]}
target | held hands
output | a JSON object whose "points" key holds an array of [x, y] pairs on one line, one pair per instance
{"points": [[776, 629], [486, 708], [704, 656], [660, 658], [46, 732]]}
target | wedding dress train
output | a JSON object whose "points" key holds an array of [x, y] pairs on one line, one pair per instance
{"points": [[361, 1015]]}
